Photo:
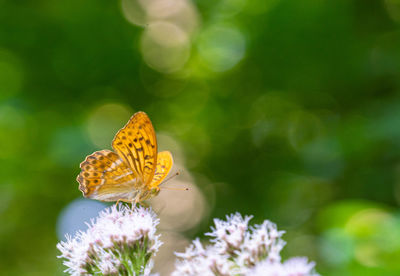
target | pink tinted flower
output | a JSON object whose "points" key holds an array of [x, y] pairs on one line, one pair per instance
{"points": [[118, 241], [239, 249]]}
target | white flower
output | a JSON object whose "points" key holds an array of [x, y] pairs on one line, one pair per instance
{"points": [[194, 250], [299, 266], [200, 261], [118, 240], [75, 251], [229, 235], [261, 242], [239, 249], [266, 268], [109, 264], [125, 226]]}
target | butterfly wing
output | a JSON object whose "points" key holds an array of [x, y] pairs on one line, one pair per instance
{"points": [[104, 176], [164, 165], [136, 144]]}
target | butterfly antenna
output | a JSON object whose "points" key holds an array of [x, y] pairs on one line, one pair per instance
{"points": [[175, 189], [169, 178]]}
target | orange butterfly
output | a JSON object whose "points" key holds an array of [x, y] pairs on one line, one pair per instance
{"points": [[133, 172]]}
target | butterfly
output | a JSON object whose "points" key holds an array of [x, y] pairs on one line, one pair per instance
{"points": [[133, 171]]}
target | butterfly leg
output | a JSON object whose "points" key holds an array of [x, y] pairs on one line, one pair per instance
{"points": [[118, 201], [134, 202]]}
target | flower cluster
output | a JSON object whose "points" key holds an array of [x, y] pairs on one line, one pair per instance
{"points": [[239, 249], [120, 241]]}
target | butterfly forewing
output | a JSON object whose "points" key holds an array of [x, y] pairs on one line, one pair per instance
{"points": [[105, 176], [164, 165], [136, 144]]}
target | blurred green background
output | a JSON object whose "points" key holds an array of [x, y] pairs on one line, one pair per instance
{"points": [[286, 110]]}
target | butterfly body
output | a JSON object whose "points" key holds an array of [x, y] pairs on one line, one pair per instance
{"points": [[130, 173]]}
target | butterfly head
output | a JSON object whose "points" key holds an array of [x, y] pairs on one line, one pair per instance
{"points": [[148, 194], [154, 191]]}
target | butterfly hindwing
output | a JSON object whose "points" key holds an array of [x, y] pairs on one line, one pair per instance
{"points": [[136, 144], [105, 176], [164, 165]]}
